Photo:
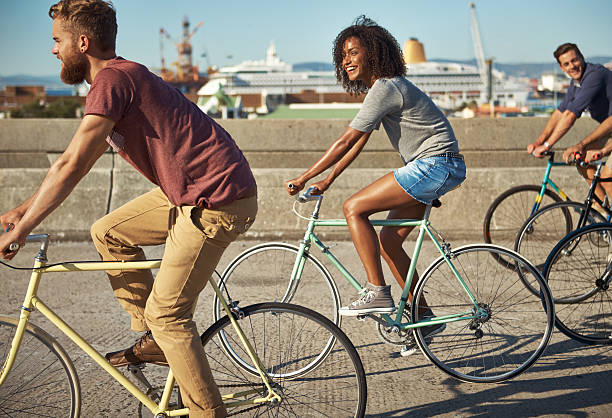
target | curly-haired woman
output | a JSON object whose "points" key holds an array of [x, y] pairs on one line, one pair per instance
{"points": [[369, 60]]}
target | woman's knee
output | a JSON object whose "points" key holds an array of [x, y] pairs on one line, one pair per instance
{"points": [[352, 208]]}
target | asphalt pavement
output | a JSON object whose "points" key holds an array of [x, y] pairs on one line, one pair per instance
{"points": [[570, 379]]}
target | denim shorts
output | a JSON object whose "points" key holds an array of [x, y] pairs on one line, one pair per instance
{"points": [[429, 178]]}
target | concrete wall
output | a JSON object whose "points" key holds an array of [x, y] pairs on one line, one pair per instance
{"points": [[279, 150]]}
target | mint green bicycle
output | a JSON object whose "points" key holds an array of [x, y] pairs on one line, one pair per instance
{"points": [[269, 359], [495, 327]]}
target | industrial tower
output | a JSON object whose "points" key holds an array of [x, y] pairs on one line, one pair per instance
{"points": [[186, 75]]}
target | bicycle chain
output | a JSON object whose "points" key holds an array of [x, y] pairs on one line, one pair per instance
{"points": [[242, 410]]}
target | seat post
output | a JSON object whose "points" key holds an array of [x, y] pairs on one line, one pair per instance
{"points": [[427, 212]]}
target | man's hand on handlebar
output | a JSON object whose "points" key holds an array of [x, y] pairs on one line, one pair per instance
{"points": [[593, 155], [10, 242], [537, 150], [569, 154], [10, 219]]}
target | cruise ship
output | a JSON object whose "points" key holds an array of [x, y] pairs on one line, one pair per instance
{"points": [[260, 86]]}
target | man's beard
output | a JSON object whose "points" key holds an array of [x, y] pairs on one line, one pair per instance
{"points": [[74, 69]]}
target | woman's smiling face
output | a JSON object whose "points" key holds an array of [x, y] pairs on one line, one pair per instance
{"points": [[354, 61]]}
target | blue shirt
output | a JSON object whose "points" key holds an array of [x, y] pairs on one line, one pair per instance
{"points": [[592, 93]]}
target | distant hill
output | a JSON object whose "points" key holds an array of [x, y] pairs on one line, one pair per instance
{"points": [[50, 82]]}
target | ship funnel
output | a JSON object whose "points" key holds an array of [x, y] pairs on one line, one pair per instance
{"points": [[414, 51]]}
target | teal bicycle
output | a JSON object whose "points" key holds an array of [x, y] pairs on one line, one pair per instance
{"points": [[495, 327], [509, 210]]}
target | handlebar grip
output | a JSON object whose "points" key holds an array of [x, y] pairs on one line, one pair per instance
{"points": [[308, 196], [577, 159]]}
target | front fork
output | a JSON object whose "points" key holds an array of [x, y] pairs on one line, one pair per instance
{"points": [[24, 316]]}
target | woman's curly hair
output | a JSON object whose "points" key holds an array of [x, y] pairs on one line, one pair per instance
{"points": [[383, 54]]}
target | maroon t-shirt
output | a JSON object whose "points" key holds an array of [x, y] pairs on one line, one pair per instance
{"points": [[168, 138]]}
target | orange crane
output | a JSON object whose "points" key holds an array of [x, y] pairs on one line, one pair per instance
{"points": [[186, 72]]}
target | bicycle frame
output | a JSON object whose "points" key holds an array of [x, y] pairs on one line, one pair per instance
{"points": [[424, 228], [32, 301], [592, 197], [547, 181]]}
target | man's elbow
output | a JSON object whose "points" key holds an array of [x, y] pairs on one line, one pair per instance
{"points": [[569, 117], [70, 168]]}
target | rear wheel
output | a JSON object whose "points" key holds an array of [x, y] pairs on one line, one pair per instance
{"points": [[42, 380], [506, 327]]}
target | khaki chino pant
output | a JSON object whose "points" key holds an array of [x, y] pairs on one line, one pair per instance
{"points": [[195, 239]]}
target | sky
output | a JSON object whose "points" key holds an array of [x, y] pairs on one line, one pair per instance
{"points": [[518, 31]]}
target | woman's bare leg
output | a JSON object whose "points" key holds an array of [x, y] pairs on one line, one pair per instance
{"points": [[391, 240], [383, 194]]}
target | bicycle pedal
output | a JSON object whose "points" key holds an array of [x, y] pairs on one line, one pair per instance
{"points": [[135, 367]]}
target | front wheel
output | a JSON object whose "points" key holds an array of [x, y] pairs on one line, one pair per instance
{"points": [[581, 264], [498, 329], [291, 343], [42, 381], [263, 274], [542, 231], [509, 211]]}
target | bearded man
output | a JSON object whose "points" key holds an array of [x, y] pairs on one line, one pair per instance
{"points": [[206, 194]]}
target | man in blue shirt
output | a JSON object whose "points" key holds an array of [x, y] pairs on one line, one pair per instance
{"points": [[590, 89]]}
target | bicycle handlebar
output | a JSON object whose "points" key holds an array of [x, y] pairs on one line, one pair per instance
{"points": [[307, 196], [577, 160], [42, 238]]}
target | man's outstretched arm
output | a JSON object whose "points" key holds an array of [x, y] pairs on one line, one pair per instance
{"points": [[87, 145]]}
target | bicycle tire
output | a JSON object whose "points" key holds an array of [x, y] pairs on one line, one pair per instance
{"points": [[542, 231], [508, 212], [287, 337], [517, 326], [262, 274], [42, 380], [589, 320]]}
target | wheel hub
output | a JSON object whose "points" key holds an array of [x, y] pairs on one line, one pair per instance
{"points": [[482, 314]]}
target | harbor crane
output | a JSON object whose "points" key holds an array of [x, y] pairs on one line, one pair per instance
{"points": [[185, 70], [484, 66]]}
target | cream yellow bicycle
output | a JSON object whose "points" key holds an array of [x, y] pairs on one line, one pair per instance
{"points": [[267, 359]]}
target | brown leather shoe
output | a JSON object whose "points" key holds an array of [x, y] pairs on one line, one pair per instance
{"points": [[145, 350]]}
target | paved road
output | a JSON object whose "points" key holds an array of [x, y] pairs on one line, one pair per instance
{"points": [[569, 380]]}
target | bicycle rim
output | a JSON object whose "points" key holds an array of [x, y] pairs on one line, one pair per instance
{"points": [[262, 274], [509, 211], [287, 338], [42, 381], [514, 330], [541, 233], [582, 278]]}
